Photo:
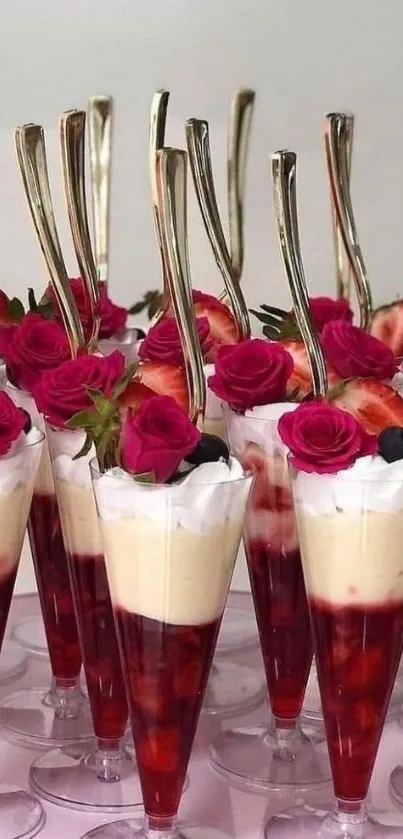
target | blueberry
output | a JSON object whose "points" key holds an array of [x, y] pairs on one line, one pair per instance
{"points": [[391, 444], [209, 450], [28, 422]]}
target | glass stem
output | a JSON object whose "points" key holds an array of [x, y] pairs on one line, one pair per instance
{"points": [[65, 697], [106, 759], [288, 738], [160, 828], [349, 813]]}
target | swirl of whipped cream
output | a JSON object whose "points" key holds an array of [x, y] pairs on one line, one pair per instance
{"points": [[200, 501], [371, 484], [64, 445], [17, 466]]}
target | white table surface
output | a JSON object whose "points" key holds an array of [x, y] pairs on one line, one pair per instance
{"points": [[240, 814]]}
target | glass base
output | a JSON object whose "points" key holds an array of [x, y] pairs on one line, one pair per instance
{"points": [[132, 829], [312, 709], [248, 757], [233, 689], [29, 717], [238, 632], [30, 635], [13, 662], [308, 822], [21, 815], [68, 777]]}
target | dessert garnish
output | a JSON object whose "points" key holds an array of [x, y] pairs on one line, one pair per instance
{"points": [[387, 325], [113, 317], [150, 303], [163, 342], [279, 324], [324, 439], [32, 346], [351, 352], [255, 372], [209, 449], [390, 443], [156, 442], [13, 422]]}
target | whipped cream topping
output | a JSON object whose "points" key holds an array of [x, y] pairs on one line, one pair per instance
{"points": [[371, 484], [64, 445], [200, 501], [18, 466]]}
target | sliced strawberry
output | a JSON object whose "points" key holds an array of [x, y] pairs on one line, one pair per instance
{"points": [[146, 693], [387, 325], [300, 382], [156, 378], [373, 403], [223, 328], [159, 751], [366, 715]]}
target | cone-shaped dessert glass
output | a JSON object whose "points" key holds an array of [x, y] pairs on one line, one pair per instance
{"points": [[20, 814], [232, 688], [59, 715], [170, 553], [351, 533], [75, 776], [272, 756]]}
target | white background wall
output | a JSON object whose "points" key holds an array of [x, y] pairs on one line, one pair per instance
{"points": [[303, 57]]}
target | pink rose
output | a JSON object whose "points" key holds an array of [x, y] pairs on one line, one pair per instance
{"points": [[113, 317], [252, 373], [354, 353], [31, 347], [326, 309], [62, 392], [156, 438], [323, 438], [12, 422], [162, 342]]}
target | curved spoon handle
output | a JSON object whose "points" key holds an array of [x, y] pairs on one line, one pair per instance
{"points": [[158, 119], [337, 162], [72, 143], [100, 125], [284, 164], [343, 269], [240, 122], [31, 153], [171, 171], [198, 143]]}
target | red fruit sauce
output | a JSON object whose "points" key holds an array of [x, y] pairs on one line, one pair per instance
{"points": [[103, 671], [358, 650], [52, 577], [167, 668]]}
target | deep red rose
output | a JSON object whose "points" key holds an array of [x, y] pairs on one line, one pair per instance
{"points": [[156, 438], [354, 353], [323, 438], [252, 373], [113, 317], [62, 392], [32, 346], [326, 309], [12, 422], [162, 342]]}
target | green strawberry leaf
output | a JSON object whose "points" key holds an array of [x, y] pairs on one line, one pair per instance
{"points": [[15, 310], [123, 382], [145, 478], [85, 448]]}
